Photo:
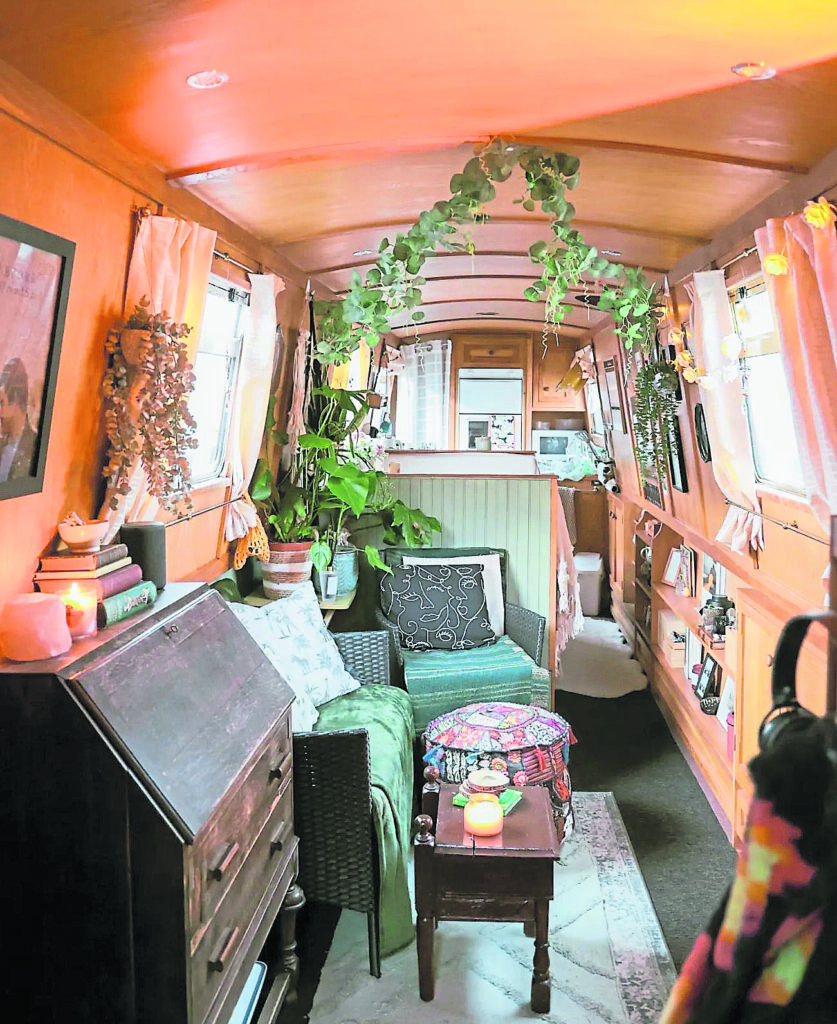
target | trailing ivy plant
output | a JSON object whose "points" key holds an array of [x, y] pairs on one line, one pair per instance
{"points": [[655, 414], [393, 285]]}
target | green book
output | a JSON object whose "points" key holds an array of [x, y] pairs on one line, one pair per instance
{"points": [[129, 602]]}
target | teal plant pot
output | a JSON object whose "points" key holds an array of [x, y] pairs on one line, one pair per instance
{"points": [[345, 565]]}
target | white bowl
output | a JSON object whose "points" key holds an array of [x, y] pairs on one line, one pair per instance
{"points": [[87, 537]]}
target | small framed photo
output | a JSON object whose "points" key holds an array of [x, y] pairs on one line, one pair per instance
{"points": [[727, 702], [705, 685], [714, 578], [672, 568]]}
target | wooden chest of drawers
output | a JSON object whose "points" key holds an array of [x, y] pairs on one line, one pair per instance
{"points": [[148, 820]]}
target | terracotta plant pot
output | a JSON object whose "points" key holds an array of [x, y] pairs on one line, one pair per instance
{"points": [[289, 569], [373, 400]]}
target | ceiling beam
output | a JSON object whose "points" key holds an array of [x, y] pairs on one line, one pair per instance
{"points": [[477, 277], [783, 168], [563, 328]]}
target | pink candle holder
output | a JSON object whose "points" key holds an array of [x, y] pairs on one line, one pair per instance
{"points": [[33, 627]]}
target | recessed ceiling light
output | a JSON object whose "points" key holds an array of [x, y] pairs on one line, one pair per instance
{"points": [[610, 252], [207, 79], [753, 70], [363, 252], [486, 312]]}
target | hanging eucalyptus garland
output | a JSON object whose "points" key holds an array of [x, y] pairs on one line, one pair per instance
{"points": [[394, 284], [655, 414]]}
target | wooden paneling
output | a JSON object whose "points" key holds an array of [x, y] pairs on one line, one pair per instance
{"points": [[503, 512]]}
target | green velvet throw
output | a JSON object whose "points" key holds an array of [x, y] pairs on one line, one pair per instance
{"points": [[385, 713]]}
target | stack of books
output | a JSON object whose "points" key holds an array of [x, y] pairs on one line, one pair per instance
{"points": [[109, 572]]}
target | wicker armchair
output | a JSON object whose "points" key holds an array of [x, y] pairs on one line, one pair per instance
{"points": [[524, 628], [338, 855]]}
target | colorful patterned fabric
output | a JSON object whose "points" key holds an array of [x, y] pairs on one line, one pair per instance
{"points": [[769, 953], [441, 681], [437, 607], [530, 744]]}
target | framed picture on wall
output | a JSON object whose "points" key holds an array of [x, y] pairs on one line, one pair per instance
{"points": [[677, 460], [614, 397], [35, 270]]}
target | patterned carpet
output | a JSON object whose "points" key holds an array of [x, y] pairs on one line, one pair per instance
{"points": [[609, 962]]}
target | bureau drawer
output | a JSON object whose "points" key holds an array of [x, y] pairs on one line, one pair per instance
{"points": [[219, 948], [223, 847]]}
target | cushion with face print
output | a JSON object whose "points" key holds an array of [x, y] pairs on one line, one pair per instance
{"points": [[437, 607]]}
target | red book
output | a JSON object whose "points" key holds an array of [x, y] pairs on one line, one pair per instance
{"points": [[103, 586]]}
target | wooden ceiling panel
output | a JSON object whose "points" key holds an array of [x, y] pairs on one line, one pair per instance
{"points": [[790, 118]]}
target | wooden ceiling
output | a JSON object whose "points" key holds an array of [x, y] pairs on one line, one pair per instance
{"points": [[340, 123]]}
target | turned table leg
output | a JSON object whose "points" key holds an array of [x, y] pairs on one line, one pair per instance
{"points": [[424, 844], [540, 973], [291, 905]]}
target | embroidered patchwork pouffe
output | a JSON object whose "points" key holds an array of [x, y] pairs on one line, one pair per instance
{"points": [[530, 744]]}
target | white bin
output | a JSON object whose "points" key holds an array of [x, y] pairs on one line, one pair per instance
{"points": [[588, 566]]}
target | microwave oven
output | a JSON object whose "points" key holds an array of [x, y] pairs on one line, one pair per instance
{"points": [[553, 451]]}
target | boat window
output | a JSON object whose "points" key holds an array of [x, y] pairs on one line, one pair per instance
{"points": [[219, 348], [767, 399]]}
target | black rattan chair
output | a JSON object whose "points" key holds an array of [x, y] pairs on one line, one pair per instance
{"points": [[338, 850]]}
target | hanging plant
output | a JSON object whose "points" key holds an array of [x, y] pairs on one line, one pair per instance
{"points": [[146, 388], [655, 414], [393, 285]]}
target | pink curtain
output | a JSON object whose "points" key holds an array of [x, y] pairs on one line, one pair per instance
{"points": [[170, 263], [805, 305]]}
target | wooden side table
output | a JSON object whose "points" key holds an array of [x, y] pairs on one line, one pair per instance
{"points": [[507, 877]]}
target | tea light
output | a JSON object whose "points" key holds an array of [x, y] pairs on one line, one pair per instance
{"points": [[483, 815], [81, 611]]}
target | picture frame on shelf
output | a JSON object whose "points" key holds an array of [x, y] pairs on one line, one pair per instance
{"points": [[35, 271], [685, 581], [713, 578], [706, 680], [693, 658], [675, 557], [727, 701]]}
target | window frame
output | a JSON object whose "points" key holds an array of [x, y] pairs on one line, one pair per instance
{"points": [[754, 284], [240, 295]]}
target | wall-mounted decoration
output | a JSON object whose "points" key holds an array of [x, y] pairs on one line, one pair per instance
{"points": [[614, 398], [677, 460], [651, 486], [702, 434], [35, 270]]}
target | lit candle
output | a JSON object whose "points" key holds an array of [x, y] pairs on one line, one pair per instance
{"points": [[81, 611], [483, 815]]}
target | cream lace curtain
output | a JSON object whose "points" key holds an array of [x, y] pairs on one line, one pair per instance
{"points": [[723, 406], [421, 419], [250, 399], [170, 263], [805, 306]]}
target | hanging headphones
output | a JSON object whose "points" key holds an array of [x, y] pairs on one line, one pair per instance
{"points": [[787, 714]]}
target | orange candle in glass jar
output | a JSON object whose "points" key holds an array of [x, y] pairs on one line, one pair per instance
{"points": [[81, 611], [483, 815]]}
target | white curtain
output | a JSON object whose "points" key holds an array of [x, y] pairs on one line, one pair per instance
{"points": [[723, 405], [170, 263], [805, 306], [421, 417], [250, 399]]}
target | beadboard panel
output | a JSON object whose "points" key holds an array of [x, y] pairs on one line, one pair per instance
{"points": [[514, 513]]}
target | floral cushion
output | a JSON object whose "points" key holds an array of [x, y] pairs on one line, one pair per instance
{"points": [[292, 634], [437, 607]]}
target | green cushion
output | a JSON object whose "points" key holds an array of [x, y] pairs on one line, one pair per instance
{"points": [[441, 681]]}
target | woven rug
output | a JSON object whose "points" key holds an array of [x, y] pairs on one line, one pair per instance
{"points": [[609, 962]]}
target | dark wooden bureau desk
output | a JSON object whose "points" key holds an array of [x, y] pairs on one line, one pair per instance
{"points": [[146, 822]]}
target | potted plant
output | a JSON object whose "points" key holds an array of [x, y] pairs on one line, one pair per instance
{"points": [[147, 386]]}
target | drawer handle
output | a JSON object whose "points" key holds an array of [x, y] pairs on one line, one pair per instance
{"points": [[278, 840], [223, 949], [222, 861], [278, 770]]}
